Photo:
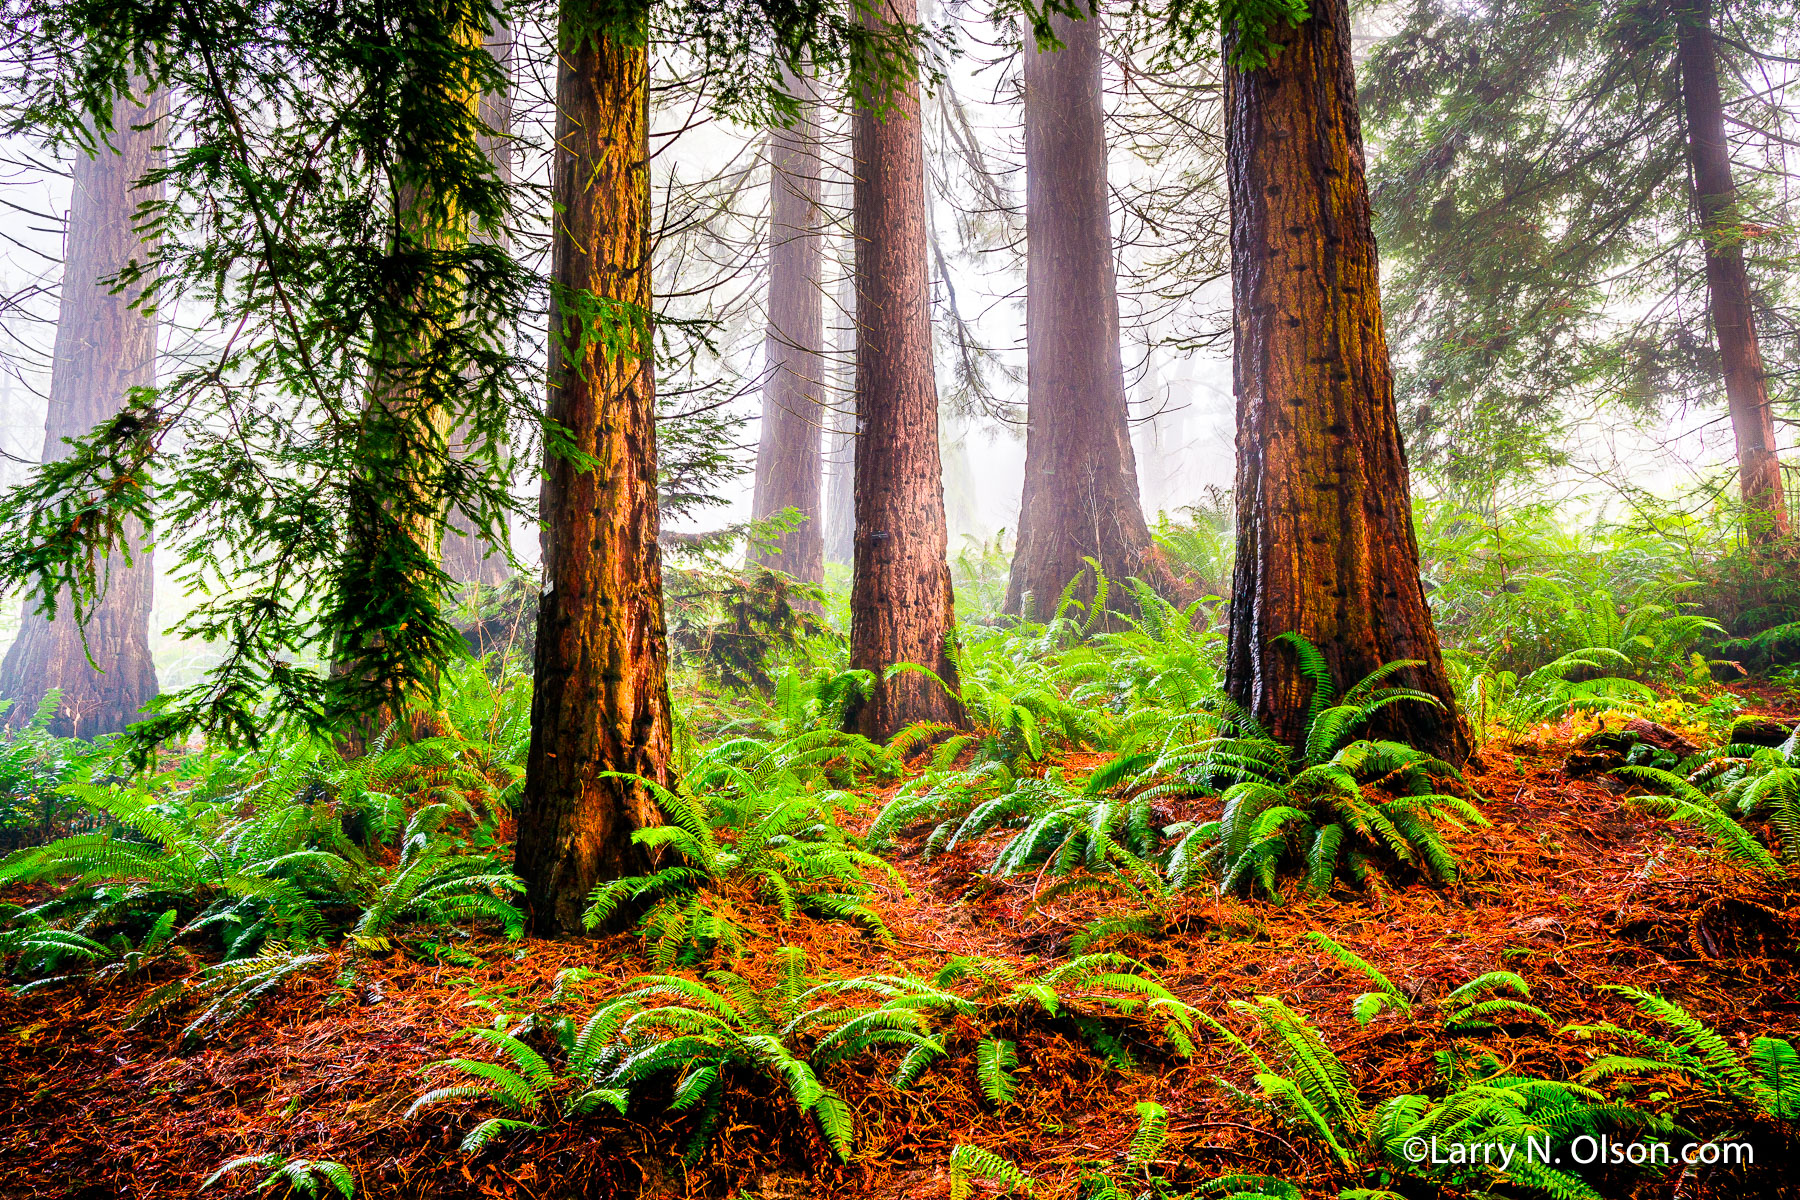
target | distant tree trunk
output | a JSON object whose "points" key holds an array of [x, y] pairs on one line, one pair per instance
{"points": [[397, 513], [1727, 283], [902, 609], [103, 348], [1325, 544], [789, 462], [1081, 488], [469, 558], [601, 700], [840, 446]]}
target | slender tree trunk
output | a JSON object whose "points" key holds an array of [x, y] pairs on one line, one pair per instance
{"points": [[104, 347], [601, 698], [790, 460], [468, 557], [1727, 283], [1325, 544], [397, 508], [840, 447], [1081, 488], [902, 609]]}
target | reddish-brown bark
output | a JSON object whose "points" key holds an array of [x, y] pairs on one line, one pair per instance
{"points": [[601, 698], [1727, 283], [789, 460], [1081, 492], [104, 347], [902, 609], [1325, 544]]}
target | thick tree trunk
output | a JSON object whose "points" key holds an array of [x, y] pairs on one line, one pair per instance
{"points": [[789, 462], [901, 605], [103, 348], [1727, 283], [1081, 489], [1325, 544], [469, 558], [601, 698]]}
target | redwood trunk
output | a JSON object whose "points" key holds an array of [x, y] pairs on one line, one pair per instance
{"points": [[1325, 544], [468, 557], [840, 451], [600, 701], [1081, 490], [103, 348], [789, 462], [1727, 283], [901, 605]]}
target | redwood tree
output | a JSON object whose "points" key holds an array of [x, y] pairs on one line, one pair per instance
{"points": [[789, 461], [1325, 544], [104, 348], [902, 609], [600, 703], [1081, 491], [1727, 282], [468, 557], [1560, 205]]}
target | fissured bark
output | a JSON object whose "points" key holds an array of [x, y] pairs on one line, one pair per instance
{"points": [[902, 609], [1325, 543], [601, 701], [1081, 491], [104, 347]]}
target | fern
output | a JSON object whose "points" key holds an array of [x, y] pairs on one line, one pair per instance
{"points": [[1765, 1080], [306, 1176], [995, 1061], [969, 1163], [230, 989], [701, 1031], [1151, 1133], [782, 852], [1307, 1085], [1470, 1008]]}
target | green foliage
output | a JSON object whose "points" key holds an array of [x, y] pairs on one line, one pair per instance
{"points": [[34, 765], [38, 949], [969, 1163], [701, 1032], [1201, 549], [1309, 1087], [1513, 594], [1535, 197], [1493, 697], [230, 990], [1162, 671], [1763, 1080], [1312, 806], [1472, 1007], [1726, 791], [1015, 688], [288, 844], [1081, 990], [523, 1085], [1152, 1131], [312, 1177], [782, 852], [734, 626], [995, 1060]]}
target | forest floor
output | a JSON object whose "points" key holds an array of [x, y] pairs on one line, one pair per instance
{"points": [[1569, 887]]}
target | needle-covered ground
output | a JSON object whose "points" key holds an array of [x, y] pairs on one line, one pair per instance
{"points": [[1569, 887]]}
